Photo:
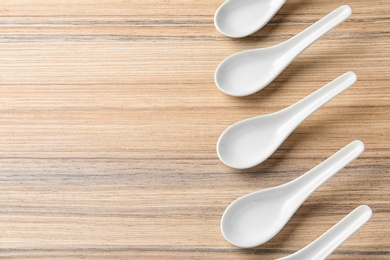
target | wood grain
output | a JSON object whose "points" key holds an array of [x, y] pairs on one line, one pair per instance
{"points": [[109, 118]]}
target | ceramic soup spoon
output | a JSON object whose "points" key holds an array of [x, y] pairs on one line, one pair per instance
{"points": [[245, 73], [323, 246], [240, 18], [251, 141], [255, 218]]}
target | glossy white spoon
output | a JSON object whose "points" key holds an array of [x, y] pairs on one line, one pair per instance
{"points": [[323, 246], [255, 218], [251, 141], [240, 18], [245, 73]]}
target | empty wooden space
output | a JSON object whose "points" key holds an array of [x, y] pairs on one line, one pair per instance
{"points": [[109, 118]]}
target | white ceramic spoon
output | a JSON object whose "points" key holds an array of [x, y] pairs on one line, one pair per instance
{"points": [[323, 246], [240, 18], [245, 73], [255, 218], [251, 141]]}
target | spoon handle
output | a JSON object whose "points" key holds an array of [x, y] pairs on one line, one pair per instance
{"points": [[299, 111], [306, 184], [334, 237], [301, 41]]}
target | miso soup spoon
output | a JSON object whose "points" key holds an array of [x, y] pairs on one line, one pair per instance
{"points": [[240, 18], [323, 246], [251, 141], [245, 73], [255, 218]]}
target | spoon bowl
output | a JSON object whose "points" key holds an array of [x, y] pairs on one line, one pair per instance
{"points": [[245, 73], [240, 18], [246, 143], [255, 218], [248, 70]]}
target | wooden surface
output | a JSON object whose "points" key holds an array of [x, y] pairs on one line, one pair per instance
{"points": [[109, 118]]}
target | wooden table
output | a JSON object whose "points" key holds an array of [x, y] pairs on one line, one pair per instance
{"points": [[109, 118]]}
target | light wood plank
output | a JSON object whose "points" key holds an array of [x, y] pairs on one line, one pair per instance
{"points": [[109, 118]]}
